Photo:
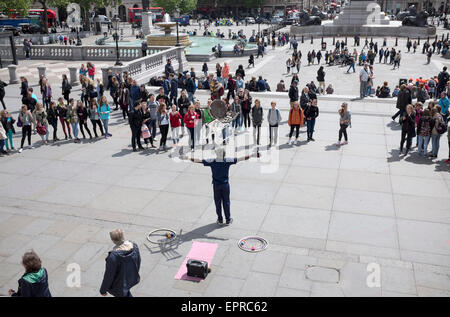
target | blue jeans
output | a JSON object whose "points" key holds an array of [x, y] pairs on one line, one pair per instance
{"points": [[435, 143], [352, 66], [105, 125], [2, 145], [152, 127], [191, 96], [369, 90], [222, 197], [74, 129], [423, 144], [237, 122], [310, 127]]}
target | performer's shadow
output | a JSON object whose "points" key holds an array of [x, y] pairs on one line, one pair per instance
{"points": [[169, 250]]}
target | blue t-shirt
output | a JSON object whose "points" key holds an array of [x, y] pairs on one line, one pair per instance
{"points": [[220, 170]]}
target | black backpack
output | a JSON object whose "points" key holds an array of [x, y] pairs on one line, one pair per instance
{"points": [[443, 77]]}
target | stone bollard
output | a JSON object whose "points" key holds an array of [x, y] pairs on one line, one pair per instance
{"points": [[302, 39], [418, 40], [73, 78], [121, 31], [41, 70], [334, 40], [12, 74], [311, 39], [396, 41]]}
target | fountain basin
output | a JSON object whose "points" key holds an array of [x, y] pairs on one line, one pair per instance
{"points": [[169, 39]]}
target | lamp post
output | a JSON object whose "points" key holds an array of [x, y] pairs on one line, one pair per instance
{"points": [[115, 23], [176, 15]]}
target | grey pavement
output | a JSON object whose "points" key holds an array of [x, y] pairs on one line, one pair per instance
{"points": [[329, 213]]}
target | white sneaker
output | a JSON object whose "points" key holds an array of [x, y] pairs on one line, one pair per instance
{"points": [[345, 142], [338, 143], [289, 141], [20, 150]]}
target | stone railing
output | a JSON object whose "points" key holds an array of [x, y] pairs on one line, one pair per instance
{"points": [[83, 53], [144, 68]]}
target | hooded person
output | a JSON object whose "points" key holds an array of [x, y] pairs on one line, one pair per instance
{"points": [[122, 266], [34, 283]]}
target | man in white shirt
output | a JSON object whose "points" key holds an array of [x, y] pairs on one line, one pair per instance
{"points": [[363, 79]]}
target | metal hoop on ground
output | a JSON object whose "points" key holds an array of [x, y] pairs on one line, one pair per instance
{"points": [[162, 237], [253, 244]]}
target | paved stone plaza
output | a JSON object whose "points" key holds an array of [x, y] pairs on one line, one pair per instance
{"points": [[324, 207]]}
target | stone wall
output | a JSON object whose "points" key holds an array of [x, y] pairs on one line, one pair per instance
{"points": [[83, 53]]}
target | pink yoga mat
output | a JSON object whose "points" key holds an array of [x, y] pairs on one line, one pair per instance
{"points": [[199, 251]]}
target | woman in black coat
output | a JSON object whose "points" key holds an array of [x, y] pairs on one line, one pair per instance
{"points": [[66, 88], [240, 71], [408, 122], [2, 92]]}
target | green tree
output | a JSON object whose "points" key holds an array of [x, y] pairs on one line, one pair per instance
{"points": [[185, 6], [87, 7], [50, 3], [20, 6]]}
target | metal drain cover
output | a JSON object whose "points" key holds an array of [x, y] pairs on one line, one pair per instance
{"points": [[322, 274]]}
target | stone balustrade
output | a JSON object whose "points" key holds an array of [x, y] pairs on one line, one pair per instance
{"points": [[82, 53], [144, 68]]}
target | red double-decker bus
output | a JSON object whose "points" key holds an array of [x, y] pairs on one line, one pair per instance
{"points": [[38, 14], [135, 14]]}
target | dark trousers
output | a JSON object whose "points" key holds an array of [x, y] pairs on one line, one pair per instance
{"points": [[94, 124], [26, 132], [136, 137], [55, 129], [164, 129], [246, 118], [192, 137], [66, 97], [230, 93], [408, 138], [84, 124], [222, 197], [297, 130], [310, 127], [116, 103], [398, 113], [3, 103], [343, 131]]}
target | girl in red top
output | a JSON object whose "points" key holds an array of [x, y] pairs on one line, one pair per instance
{"points": [[190, 118], [175, 124], [91, 70]]}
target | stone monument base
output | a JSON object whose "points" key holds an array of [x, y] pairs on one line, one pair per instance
{"points": [[394, 29]]}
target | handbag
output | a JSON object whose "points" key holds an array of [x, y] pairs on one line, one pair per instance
{"points": [[145, 133], [41, 129], [94, 94], [19, 123], [441, 128]]}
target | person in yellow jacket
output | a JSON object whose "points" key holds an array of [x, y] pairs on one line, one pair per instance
{"points": [[296, 119]]}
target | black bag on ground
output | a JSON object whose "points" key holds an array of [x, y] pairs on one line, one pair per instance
{"points": [[197, 268]]}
